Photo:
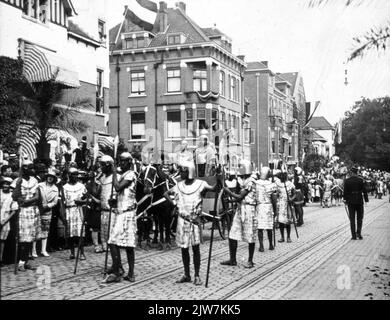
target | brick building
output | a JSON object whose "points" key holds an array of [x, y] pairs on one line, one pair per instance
{"points": [[178, 78], [274, 118], [56, 40]]}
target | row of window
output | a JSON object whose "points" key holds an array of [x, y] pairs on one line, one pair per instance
{"points": [[137, 83], [195, 121], [280, 109], [43, 10], [282, 146], [233, 86]]}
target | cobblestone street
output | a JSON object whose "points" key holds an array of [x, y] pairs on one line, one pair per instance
{"points": [[322, 264]]}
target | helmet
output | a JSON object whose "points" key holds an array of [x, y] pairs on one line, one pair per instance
{"points": [[191, 168], [245, 167], [298, 170], [264, 172], [125, 155]]}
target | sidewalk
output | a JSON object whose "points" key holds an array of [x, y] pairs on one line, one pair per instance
{"points": [[358, 271]]}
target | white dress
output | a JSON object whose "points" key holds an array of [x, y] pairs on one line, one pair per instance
{"points": [[29, 218], [189, 204], [7, 206], [244, 224], [74, 213], [124, 224], [284, 210], [265, 212], [106, 187]]}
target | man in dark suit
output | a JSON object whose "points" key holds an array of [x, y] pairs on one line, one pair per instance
{"points": [[354, 191]]}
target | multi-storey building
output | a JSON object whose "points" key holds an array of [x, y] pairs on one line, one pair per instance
{"points": [[299, 104], [57, 41], [176, 81], [273, 117]]}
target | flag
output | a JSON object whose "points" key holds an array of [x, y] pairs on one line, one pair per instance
{"points": [[338, 137], [340, 132], [106, 145], [142, 13]]}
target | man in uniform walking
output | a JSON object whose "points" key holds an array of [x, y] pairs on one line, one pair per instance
{"points": [[354, 191]]}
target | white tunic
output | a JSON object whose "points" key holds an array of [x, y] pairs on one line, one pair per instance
{"points": [[265, 212], [124, 224], [189, 204]]}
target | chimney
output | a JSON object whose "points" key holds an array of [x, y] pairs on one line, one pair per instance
{"points": [[181, 5], [163, 6], [241, 57], [265, 63], [163, 16]]}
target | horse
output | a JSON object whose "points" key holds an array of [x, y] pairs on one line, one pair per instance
{"points": [[153, 206], [144, 200], [337, 191]]}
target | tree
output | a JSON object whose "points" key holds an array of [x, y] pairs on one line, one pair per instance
{"points": [[366, 134], [11, 72], [375, 38], [314, 163], [39, 103]]}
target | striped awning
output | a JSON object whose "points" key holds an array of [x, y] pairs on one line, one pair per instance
{"points": [[41, 65]]}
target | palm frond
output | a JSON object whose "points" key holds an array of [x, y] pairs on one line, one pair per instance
{"points": [[375, 38]]}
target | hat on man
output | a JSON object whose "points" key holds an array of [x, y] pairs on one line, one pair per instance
{"points": [[354, 169], [106, 158], [73, 171]]}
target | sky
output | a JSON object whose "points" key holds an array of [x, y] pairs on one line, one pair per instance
{"points": [[293, 37]]}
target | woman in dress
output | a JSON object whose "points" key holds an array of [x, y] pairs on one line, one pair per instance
{"points": [[48, 193], [74, 192]]}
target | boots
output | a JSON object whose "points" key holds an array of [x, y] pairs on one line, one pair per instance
{"points": [[269, 234], [233, 251]]}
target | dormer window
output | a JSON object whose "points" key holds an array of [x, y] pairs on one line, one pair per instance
{"points": [[136, 40], [176, 38]]}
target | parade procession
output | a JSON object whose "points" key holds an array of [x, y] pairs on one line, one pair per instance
{"points": [[141, 159]]}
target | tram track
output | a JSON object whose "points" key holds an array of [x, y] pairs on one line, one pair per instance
{"points": [[71, 276], [224, 251], [217, 253], [331, 235]]}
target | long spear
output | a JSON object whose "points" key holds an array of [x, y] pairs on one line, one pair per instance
{"points": [[212, 228], [116, 143], [18, 185], [83, 213]]}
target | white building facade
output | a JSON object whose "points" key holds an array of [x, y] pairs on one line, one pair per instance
{"points": [[57, 41]]}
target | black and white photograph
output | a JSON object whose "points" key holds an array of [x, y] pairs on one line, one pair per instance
{"points": [[195, 155]]}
